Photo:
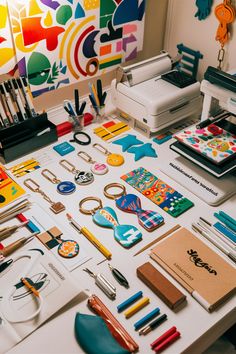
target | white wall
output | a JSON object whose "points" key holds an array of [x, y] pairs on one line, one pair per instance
{"points": [[183, 27]]}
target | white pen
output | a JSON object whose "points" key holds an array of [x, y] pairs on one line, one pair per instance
{"points": [[204, 223], [220, 246]]}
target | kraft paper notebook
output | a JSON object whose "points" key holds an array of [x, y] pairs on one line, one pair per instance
{"points": [[202, 272]]}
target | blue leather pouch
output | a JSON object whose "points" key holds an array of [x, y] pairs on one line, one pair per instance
{"points": [[94, 337]]}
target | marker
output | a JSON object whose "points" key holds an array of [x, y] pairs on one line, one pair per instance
{"points": [[137, 307], [172, 338], [144, 320], [164, 336], [225, 231], [154, 324], [7, 118], [129, 301], [226, 220]]}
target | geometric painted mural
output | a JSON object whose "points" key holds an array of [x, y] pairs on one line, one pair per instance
{"points": [[59, 42]]}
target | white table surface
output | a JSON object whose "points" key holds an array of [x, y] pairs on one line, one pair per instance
{"points": [[198, 327]]}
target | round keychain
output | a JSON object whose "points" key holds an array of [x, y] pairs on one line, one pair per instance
{"points": [[64, 187], [126, 235], [81, 177], [112, 159], [97, 167], [68, 248], [130, 203]]}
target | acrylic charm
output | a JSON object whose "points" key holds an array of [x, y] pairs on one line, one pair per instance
{"points": [[81, 177], [126, 235], [112, 159], [130, 203]]}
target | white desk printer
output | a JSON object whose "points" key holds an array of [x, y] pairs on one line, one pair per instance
{"points": [[148, 103]]}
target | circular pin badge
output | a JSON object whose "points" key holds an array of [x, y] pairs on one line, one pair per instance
{"points": [[84, 177], [66, 187], [99, 168], [115, 159], [68, 249]]}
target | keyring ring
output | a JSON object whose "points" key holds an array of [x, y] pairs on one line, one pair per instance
{"points": [[80, 142], [90, 211], [114, 185]]}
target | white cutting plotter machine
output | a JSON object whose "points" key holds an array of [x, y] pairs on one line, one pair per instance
{"points": [[147, 102]]}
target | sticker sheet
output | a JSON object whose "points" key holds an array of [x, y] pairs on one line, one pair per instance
{"points": [[159, 192], [60, 42], [212, 142], [9, 189]]}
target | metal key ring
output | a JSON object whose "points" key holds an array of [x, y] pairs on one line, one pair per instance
{"points": [[32, 185], [68, 166], [50, 176], [90, 211], [80, 142], [116, 195], [85, 156]]}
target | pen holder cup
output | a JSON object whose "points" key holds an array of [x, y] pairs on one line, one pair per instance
{"points": [[98, 113], [77, 122]]}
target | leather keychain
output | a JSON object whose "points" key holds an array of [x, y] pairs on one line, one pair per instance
{"points": [[130, 203], [97, 167], [126, 235], [63, 187], [81, 177], [112, 159], [57, 207]]}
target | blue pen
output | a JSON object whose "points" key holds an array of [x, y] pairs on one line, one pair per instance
{"points": [[129, 301], [144, 320], [225, 231], [225, 221], [228, 217]]}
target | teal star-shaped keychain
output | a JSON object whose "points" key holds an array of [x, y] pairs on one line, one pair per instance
{"points": [[127, 142], [142, 151]]}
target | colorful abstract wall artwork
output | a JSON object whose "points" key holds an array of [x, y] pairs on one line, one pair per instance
{"points": [[59, 42]]}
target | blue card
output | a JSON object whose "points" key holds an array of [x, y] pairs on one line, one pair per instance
{"points": [[63, 148]]}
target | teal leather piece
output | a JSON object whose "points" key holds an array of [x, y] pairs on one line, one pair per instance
{"points": [[94, 337]]}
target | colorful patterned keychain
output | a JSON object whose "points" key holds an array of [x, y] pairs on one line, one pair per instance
{"points": [[130, 203], [34, 187], [64, 187], [52, 239], [126, 235], [97, 167], [225, 14], [81, 177], [112, 159]]}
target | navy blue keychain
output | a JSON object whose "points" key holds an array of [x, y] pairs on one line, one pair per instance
{"points": [[63, 187]]}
